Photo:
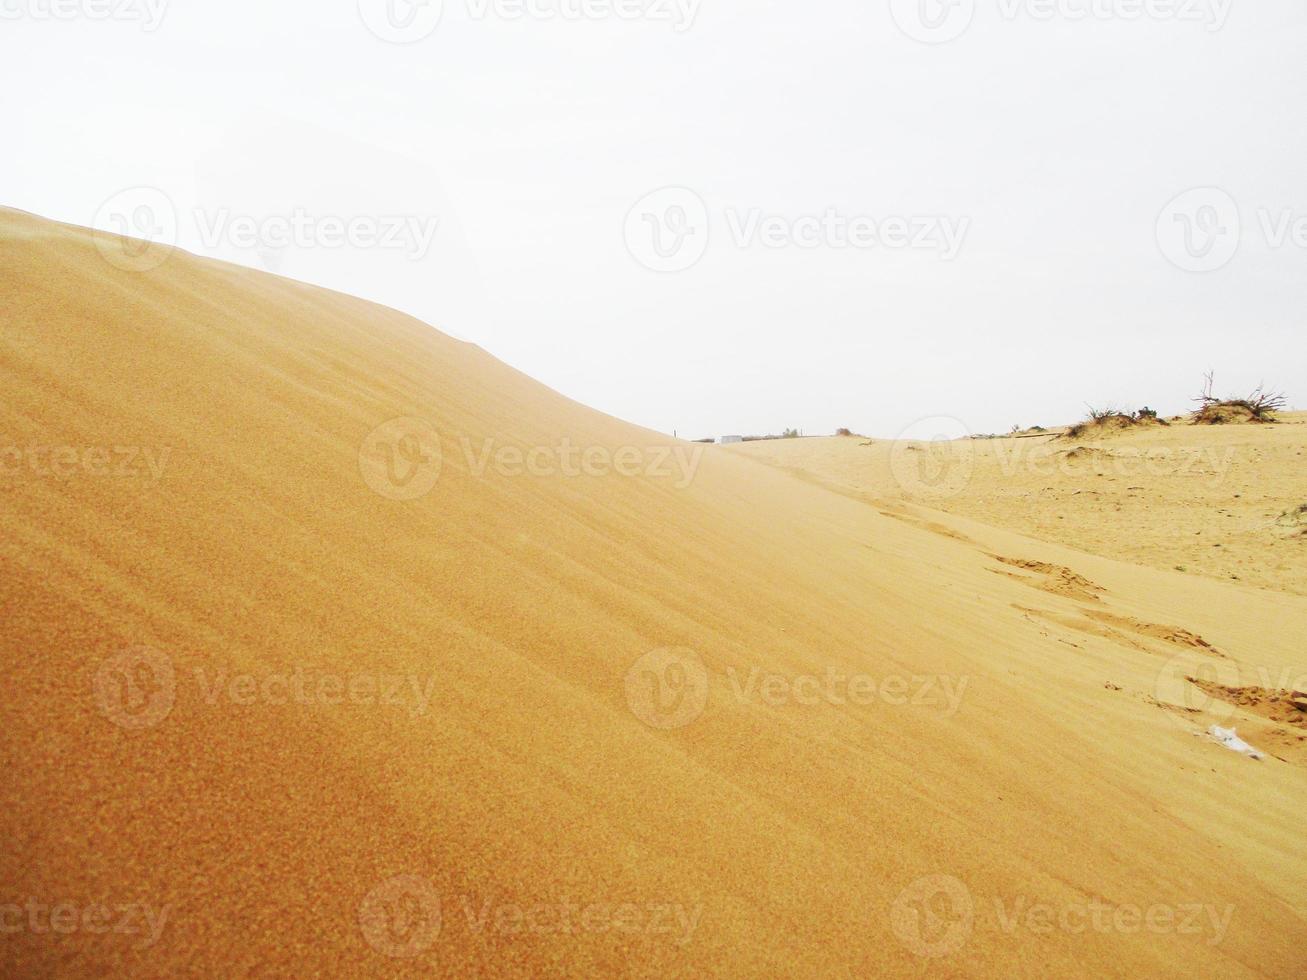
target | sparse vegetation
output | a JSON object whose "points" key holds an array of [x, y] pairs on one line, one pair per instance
{"points": [[1259, 407], [1110, 412], [790, 434], [843, 432], [1112, 418]]}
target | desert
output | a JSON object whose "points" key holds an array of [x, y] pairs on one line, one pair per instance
{"points": [[789, 717], [653, 489]]}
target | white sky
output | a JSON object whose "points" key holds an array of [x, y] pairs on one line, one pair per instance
{"points": [[1054, 141]]}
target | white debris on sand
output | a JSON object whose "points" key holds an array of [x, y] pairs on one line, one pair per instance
{"points": [[1231, 740]]}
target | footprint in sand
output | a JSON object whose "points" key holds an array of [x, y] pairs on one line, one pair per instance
{"points": [[1057, 579]]}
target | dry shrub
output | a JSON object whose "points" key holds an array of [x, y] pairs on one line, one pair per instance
{"points": [[1258, 408]]}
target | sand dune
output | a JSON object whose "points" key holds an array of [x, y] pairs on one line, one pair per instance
{"points": [[1220, 501], [326, 692]]}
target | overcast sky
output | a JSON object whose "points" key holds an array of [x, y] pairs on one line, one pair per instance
{"points": [[721, 216]]}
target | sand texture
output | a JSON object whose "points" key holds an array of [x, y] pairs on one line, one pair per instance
{"points": [[336, 717]]}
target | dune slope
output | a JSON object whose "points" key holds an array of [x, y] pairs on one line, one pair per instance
{"points": [[318, 705]]}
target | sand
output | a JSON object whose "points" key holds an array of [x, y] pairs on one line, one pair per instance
{"points": [[1218, 501], [308, 703]]}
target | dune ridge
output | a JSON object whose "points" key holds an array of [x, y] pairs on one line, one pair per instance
{"points": [[767, 816]]}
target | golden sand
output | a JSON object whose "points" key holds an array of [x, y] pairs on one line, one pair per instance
{"points": [[321, 709]]}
